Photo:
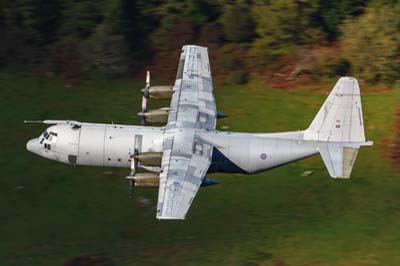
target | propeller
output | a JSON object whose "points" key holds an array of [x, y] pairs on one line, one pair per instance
{"points": [[134, 167], [145, 98]]}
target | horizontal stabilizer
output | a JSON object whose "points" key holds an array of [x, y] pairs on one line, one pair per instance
{"points": [[339, 159], [221, 115], [208, 182]]}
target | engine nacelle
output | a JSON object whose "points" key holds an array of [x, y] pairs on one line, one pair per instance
{"points": [[160, 92], [150, 158], [156, 115], [147, 180]]}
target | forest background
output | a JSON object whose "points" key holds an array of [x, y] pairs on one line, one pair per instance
{"points": [[284, 42]]}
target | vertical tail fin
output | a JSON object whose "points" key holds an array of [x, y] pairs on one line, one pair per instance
{"points": [[339, 128]]}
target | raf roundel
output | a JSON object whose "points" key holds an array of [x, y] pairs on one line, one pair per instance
{"points": [[263, 156]]}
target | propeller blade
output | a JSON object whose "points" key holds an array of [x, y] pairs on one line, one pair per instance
{"points": [[145, 99], [147, 78], [147, 87], [144, 104], [144, 110], [131, 187], [143, 120], [131, 177]]}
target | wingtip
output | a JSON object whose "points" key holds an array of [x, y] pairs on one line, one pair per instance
{"points": [[170, 218]]}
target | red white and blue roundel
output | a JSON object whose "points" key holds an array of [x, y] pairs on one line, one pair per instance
{"points": [[263, 156]]}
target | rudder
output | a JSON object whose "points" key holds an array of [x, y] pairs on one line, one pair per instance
{"points": [[340, 117]]}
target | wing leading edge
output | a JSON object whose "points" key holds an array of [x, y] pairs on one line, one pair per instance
{"points": [[186, 158]]}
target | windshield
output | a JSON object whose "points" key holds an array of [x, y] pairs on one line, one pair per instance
{"points": [[46, 135]]}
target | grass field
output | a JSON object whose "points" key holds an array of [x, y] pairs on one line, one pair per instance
{"points": [[51, 213]]}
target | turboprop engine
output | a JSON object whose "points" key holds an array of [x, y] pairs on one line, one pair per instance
{"points": [[150, 158], [155, 115], [147, 180], [160, 92]]}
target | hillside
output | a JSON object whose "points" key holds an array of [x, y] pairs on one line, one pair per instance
{"points": [[55, 214], [283, 41]]}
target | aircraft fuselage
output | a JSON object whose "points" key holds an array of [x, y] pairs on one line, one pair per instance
{"points": [[113, 145]]}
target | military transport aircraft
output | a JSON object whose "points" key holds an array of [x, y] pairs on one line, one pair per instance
{"points": [[178, 155]]}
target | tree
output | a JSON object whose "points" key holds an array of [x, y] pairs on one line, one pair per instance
{"points": [[80, 17], [28, 28], [330, 15], [126, 19], [282, 26], [237, 23], [105, 53], [38, 20], [371, 43]]}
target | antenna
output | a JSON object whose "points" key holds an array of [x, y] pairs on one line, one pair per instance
{"points": [[33, 121], [51, 122]]}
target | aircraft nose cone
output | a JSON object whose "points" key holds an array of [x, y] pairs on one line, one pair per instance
{"points": [[33, 145]]}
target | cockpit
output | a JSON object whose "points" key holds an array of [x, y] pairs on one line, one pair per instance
{"points": [[48, 138], [58, 142]]}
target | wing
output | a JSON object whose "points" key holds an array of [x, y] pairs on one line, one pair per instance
{"points": [[186, 157], [193, 103]]}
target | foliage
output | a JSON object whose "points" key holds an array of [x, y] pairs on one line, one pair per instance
{"points": [[126, 19], [37, 19], [372, 43], [282, 26], [80, 17], [64, 59], [151, 32], [105, 53], [237, 23], [238, 77], [330, 15]]}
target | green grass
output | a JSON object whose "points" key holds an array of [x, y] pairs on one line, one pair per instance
{"points": [[272, 218]]}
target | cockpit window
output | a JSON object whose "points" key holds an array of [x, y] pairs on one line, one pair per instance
{"points": [[76, 126], [46, 135]]}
